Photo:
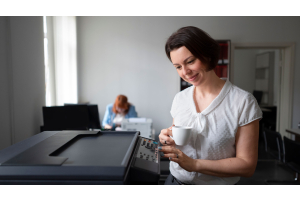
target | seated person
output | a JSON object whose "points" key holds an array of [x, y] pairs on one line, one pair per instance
{"points": [[116, 112]]}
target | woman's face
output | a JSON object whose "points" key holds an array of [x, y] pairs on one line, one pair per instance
{"points": [[189, 68], [120, 110]]}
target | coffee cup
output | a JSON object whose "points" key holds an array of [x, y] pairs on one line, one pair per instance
{"points": [[181, 134]]}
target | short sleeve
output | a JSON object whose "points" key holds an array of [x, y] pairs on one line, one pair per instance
{"points": [[174, 107], [249, 110]]}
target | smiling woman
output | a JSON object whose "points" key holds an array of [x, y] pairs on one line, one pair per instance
{"points": [[223, 117]]}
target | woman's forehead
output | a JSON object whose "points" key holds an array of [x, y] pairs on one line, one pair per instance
{"points": [[180, 54]]}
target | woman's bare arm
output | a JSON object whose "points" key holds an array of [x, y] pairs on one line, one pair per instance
{"points": [[244, 163]]}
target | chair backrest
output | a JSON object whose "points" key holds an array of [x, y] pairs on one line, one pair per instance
{"points": [[258, 95], [274, 144], [292, 150]]}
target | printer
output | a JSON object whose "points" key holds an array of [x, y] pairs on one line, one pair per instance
{"points": [[81, 157], [143, 125]]}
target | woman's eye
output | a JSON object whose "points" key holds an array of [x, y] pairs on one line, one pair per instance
{"points": [[178, 67], [190, 62]]}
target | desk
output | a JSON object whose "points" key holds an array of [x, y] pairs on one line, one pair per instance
{"points": [[295, 132], [270, 170], [266, 110]]}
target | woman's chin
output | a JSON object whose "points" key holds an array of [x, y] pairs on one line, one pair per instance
{"points": [[195, 83]]}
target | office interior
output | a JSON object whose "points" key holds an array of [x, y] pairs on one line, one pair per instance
{"points": [[125, 55]]}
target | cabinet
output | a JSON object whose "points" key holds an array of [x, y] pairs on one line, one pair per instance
{"points": [[223, 67], [264, 77]]}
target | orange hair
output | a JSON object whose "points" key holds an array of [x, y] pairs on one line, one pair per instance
{"points": [[121, 102]]}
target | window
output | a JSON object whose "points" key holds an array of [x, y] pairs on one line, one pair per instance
{"points": [[46, 58], [60, 60]]}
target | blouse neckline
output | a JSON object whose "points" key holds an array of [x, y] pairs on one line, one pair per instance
{"points": [[225, 89]]}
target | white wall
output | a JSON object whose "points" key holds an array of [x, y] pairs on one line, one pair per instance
{"points": [[276, 72], [22, 78], [244, 68], [5, 139], [125, 55]]}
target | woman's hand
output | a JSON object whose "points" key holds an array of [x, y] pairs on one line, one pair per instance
{"points": [[179, 157], [107, 126], [164, 137]]}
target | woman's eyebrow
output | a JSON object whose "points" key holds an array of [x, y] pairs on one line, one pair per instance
{"points": [[184, 60]]}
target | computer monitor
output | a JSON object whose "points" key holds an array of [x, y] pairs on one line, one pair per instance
{"points": [[94, 119], [66, 118], [54, 118]]}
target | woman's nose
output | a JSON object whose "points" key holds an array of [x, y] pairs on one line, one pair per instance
{"points": [[185, 70]]}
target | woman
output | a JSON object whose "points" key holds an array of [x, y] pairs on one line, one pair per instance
{"points": [[118, 111], [225, 118]]}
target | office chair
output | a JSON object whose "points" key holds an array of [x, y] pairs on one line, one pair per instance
{"points": [[274, 144], [258, 95], [274, 148], [292, 155], [290, 160]]}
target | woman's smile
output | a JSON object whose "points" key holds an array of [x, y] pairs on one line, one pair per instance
{"points": [[192, 78]]}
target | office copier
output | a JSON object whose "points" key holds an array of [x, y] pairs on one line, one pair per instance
{"points": [[81, 157]]}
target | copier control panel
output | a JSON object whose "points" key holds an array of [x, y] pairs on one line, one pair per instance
{"points": [[147, 150], [145, 168]]}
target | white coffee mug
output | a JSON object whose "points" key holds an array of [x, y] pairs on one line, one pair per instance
{"points": [[181, 134]]}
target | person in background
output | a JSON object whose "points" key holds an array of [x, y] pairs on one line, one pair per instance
{"points": [[115, 113], [224, 118]]}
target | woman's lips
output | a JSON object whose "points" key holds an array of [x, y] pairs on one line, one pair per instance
{"points": [[193, 77]]}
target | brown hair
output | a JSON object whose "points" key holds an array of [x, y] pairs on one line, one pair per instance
{"points": [[121, 102], [198, 42]]}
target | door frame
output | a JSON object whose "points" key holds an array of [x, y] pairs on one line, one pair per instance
{"points": [[285, 104]]}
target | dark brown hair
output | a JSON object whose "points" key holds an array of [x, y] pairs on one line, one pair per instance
{"points": [[121, 102], [198, 42]]}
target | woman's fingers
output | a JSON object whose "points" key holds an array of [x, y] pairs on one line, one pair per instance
{"points": [[166, 132], [166, 141], [107, 126], [170, 130], [171, 152], [179, 157], [164, 137], [170, 155], [174, 158]]}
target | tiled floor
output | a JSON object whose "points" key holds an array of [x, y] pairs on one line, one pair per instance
{"points": [[268, 171]]}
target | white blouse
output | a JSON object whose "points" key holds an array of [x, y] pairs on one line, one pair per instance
{"points": [[213, 130], [118, 119]]}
